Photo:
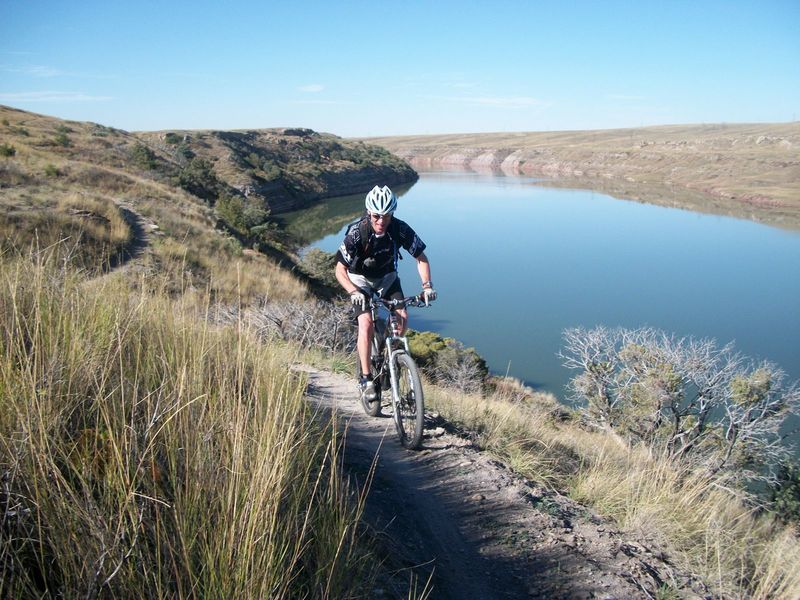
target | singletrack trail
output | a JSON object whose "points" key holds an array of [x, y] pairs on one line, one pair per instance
{"points": [[140, 230], [451, 516]]}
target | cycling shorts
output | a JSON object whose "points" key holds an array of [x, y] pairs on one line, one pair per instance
{"points": [[388, 286]]}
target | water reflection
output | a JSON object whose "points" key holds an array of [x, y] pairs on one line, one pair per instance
{"points": [[327, 217]]}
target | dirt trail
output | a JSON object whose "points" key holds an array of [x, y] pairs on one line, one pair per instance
{"points": [[451, 513], [140, 239]]}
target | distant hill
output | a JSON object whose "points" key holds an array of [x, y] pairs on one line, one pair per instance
{"points": [[746, 170]]}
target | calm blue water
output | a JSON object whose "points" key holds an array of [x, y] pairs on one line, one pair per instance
{"points": [[516, 264]]}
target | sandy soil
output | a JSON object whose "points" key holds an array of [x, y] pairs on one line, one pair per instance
{"points": [[453, 517]]}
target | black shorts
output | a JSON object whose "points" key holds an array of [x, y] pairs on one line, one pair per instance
{"points": [[395, 292]]}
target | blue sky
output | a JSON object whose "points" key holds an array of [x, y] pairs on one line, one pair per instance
{"points": [[384, 68]]}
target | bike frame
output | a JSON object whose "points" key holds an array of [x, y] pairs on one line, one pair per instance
{"points": [[390, 338]]}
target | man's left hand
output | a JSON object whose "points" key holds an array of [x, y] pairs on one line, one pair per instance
{"points": [[429, 295]]}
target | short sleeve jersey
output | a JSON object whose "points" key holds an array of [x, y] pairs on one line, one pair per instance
{"points": [[381, 252]]}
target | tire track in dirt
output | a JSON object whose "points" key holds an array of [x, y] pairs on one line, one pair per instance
{"points": [[452, 514]]}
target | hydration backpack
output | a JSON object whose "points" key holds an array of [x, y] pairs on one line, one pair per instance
{"points": [[365, 233]]}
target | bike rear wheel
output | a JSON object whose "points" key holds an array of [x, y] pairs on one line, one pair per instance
{"points": [[408, 404]]}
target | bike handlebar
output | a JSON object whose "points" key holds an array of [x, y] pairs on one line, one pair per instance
{"points": [[417, 301]]}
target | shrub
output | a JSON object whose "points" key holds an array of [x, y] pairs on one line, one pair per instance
{"points": [[460, 367], [319, 325], [271, 170], [197, 178], [320, 265], [785, 494], [61, 139], [143, 157], [7, 150], [249, 219], [230, 210], [447, 361], [51, 170], [172, 138], [687, 398], [254, 160], [183, 151]]}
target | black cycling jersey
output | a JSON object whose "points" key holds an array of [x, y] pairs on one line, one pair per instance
{"points": [[381, 252]]}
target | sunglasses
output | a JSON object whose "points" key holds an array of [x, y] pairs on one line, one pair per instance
{"points": [[385, 217]]}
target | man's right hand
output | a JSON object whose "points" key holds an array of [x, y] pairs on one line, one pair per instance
{"points": [[358, 299]]}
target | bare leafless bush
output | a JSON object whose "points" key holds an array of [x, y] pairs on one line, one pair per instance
{"points": [[322, 325], [689, 398]]}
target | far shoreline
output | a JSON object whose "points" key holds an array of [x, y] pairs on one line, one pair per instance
{"points": [[668, 196], [748, 171]]}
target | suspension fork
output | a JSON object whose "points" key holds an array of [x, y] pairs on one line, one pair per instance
{"points": [[391, 353]]}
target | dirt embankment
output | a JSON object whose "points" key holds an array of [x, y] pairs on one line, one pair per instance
{"points": [[749, 171]]}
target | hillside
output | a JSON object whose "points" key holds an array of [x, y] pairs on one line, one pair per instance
{"points": [[746, 170], [285, 169], [200, 196]]}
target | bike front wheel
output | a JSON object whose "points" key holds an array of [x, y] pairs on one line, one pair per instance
{"points": [[408, 404]]}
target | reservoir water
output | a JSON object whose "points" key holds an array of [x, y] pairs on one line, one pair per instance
{"points": [[516, 263]]}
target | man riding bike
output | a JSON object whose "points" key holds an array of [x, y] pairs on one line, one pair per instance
{"points": [[367, 262]]}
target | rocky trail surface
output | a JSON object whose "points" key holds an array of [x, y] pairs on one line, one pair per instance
{"points": [[451, 518]]}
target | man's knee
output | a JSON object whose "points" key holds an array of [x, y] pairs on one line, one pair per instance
{"points": [[365, 324]]}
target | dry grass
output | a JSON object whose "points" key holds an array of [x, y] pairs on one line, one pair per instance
{"points": [[179, 457], [89, 229], [705, 525]]}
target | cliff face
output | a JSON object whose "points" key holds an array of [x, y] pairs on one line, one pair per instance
{"points": [[284, 169]]}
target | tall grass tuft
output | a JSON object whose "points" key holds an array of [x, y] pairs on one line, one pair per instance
{"points": [[146, 453]]}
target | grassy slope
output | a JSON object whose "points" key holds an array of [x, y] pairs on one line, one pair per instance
{"points": [[177, 454], [747, 170], [59, 165]]}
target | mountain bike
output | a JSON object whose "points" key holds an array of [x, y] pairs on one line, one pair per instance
{"points": [[392, 368]]}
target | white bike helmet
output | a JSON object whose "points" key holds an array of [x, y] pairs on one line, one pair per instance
{"points": [[381, 201]]}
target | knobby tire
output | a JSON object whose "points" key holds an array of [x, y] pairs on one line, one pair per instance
{"points": [[409, 411]]}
